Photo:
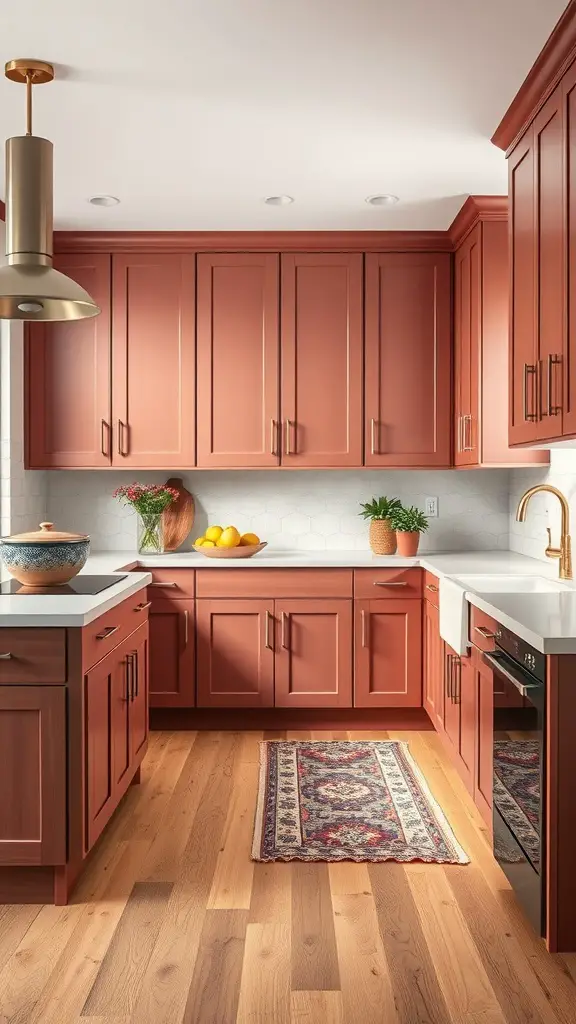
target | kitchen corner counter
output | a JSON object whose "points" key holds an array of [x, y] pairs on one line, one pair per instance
{"points": [[71, 610]]}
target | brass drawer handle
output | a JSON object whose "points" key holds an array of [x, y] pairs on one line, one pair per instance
{"points": [[128, 678], [121, 428], [267, 643], [467, 445], [6, 657], [530, 369], [186, 617], [142, 606], [373, 448], [105, 445], [273, 438], [284, 641], [106, 633], [553, 360], [485, 632], [432, 587], [364, 629], [162, 584], [289, 424], [402, 584]]}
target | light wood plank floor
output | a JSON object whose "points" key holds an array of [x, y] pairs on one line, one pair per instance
{"points": [[174, 924]]}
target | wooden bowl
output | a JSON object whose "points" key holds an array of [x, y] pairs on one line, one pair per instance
{"points": [[242, 551]]}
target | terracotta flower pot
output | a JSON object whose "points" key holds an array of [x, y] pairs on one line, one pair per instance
{"points": [[408, 543], [382, 537]]}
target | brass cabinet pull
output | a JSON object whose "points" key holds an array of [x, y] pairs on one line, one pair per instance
{"points": [[400, 584], [446, 674], [273, 438], [467, 445], [142, 606], [155, 584], [289, 451], [105, 445], [121, 428], [364, 630], [128, 680], [186, 615], [106, 633], [457, 679], [6, 656], [485, 632], [459, 441], [284, 638], [136, 674], [432, 587], [530, 369], [373, 447], [553, 360], [267, 643]]}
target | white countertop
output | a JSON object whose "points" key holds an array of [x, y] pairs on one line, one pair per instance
{"points": [[547, 621]]}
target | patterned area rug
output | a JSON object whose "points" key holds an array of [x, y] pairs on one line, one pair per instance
{"points": [[517, 791], [362, 801]]}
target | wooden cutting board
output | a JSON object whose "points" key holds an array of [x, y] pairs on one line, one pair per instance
{"points": [[178, 518]]}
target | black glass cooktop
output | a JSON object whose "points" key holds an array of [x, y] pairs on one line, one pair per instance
{"points": [[79, 585]]}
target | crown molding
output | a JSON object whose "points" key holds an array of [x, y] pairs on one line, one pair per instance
{"points": [[552, 62], [475, 209], [251, 241]]}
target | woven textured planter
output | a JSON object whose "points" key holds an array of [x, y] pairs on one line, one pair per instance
{"points": [[408, 542], [382, 537]]}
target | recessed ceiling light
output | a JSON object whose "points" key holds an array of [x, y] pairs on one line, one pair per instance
{"points": [[279, 200], [382, 200], [103, 200]]}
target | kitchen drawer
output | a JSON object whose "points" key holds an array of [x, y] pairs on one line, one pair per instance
{"points": [[32, 655], [431, 589], [271, 583], [388, 583], [482, 629], [170, 584], [108, 630]]}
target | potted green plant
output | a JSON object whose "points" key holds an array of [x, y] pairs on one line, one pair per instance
{"points": [[409, 523], [379, 511]]}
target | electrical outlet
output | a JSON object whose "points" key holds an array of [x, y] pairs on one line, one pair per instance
{"points": [[431, 507]]}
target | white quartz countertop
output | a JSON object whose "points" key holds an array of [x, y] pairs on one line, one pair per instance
{"points": [[547, 621]]}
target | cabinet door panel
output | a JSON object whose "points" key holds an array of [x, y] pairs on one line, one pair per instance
{"points": [[33, 790], [172, 661], [314, 654], [523, 333], [120, 717], [138, 708], [433, 666], [237, 339], [550, 160], [98, 697], [466, 697], [484, 735], [321, 376], [451, 705], [68, 402], [388, 654], [407, 368], [235, 653], [154, 361], [467, 326]]}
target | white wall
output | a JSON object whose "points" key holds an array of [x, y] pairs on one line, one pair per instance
{"points": [[307, 510], [530, 538]]}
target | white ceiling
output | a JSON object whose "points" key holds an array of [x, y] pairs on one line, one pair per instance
{"points": [[191, 112]]}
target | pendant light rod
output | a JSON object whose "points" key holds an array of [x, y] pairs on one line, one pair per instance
{"points": [[29, 81]]}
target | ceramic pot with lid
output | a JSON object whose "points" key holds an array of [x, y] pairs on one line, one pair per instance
{"points": [[45, 557]]}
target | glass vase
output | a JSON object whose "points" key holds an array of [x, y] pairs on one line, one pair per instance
{"points": [[150, 534]]}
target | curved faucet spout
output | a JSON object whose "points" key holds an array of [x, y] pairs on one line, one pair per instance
{"points": [[564, 552]]}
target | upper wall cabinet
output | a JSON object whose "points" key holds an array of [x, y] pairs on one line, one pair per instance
{"points": [[117, 389], [153, 344], [481, 321], [68, 401], [408, 411], [238, 352], [321, 373]]}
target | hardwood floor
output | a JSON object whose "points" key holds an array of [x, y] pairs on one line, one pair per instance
{"points": [[174, 924]]}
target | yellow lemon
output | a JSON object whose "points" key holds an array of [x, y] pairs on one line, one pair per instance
{"points": [[208, 544], [199, 542], [249, 538], [214, 533], [230, 538]]}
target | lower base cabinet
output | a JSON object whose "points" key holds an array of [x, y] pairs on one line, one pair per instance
{"points": [[313, 661], [483, 761], [434, 675], [388, 653], [235, 641], [172, 654]]}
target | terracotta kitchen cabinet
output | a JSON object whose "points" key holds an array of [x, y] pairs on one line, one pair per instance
{"points": [[321, 359], [523, 328], [33, 790], [313, 664], [172, 658], [388, 653], [235, 640], [407, 382], [67, 378], [483, 763], [433, 650], [238, 417], [451, 706], [153, 372]]}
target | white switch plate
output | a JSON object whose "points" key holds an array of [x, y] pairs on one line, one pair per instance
{"points": [[431, 507]]}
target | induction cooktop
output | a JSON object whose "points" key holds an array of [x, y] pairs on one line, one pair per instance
{"points": [[78, 585]]}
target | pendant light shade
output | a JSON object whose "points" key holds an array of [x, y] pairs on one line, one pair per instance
{"points": [[30, 288]]}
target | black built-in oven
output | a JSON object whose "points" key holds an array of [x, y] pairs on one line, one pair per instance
{"points": [[519, 737]]}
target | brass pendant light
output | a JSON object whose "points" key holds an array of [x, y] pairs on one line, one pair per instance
{"points": [[30, 288]]}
